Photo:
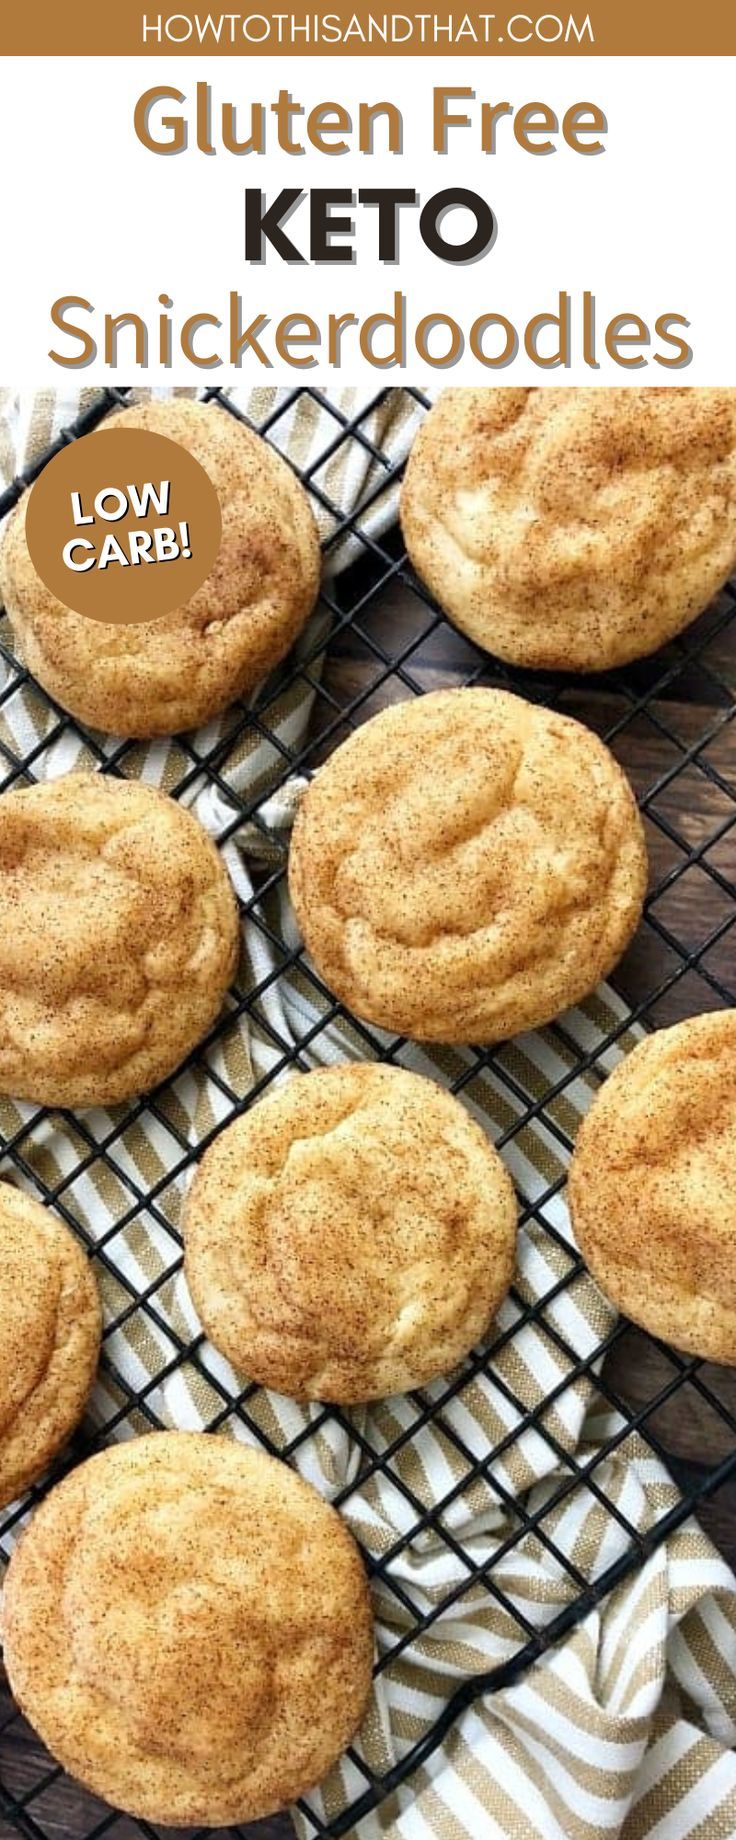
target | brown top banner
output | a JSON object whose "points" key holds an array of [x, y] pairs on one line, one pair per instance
{"points": [[564, 28]]}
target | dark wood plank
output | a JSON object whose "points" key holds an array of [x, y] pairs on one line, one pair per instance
{"points": [[693, 1435]]}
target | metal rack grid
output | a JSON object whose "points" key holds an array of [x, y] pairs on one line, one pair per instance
{"points": [[659, 694]]}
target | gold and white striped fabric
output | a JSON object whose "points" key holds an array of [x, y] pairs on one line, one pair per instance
{"points": [[626, 1727]]}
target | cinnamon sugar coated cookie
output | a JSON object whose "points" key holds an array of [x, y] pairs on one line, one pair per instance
{"points": [[187, 1626], [351, 1236], [466, 866], [574, 529], [178, 671], [49, 1338], [652, 1186], [118, 939]]}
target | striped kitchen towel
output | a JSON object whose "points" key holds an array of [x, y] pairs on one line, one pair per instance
{"points": [[485, 1523]]}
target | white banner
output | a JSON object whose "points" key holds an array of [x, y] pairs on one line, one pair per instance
{"points": [[128, 264]]}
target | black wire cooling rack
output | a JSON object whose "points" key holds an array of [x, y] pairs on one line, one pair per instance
{"points": [[669, 720]]}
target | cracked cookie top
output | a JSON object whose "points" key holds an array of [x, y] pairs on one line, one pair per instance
{"points": [[187, 1625], [574, 529], [49, 1338], [118, 939], [351, 1236], [652, 1186], [177, 672], [466, 866]]}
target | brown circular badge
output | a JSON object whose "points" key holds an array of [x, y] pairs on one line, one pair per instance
{"points": [[123, 526]]}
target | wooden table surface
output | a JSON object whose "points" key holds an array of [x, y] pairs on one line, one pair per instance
{"points": [[694, 807]]}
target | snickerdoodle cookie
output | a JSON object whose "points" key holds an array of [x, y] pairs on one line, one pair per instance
{"points": [[178, 671], [653, 1186], [466, 866], [574, 529], [118, 939], [49, 1338], [187, 1625], [351, 1236]]}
